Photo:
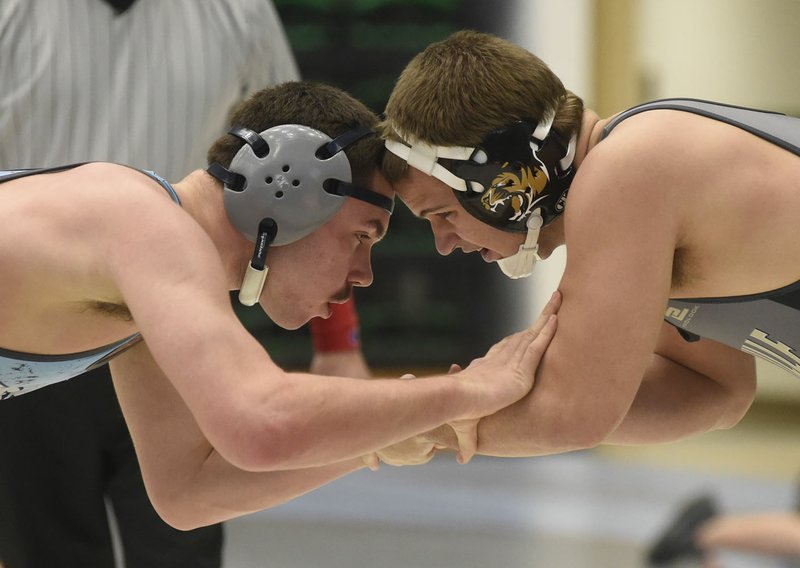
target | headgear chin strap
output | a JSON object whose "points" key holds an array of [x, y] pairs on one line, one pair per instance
{"points": [[515, 180], [521, 263], [284, 184]]}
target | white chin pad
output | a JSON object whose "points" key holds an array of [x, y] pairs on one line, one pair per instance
{"points": [[520, 265], [252, 285]]}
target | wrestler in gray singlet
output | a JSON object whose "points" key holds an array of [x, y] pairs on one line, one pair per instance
{"points": [[766, 324]]}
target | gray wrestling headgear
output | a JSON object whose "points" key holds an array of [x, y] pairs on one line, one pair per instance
{"points": [[515, 180], [284, 184]]}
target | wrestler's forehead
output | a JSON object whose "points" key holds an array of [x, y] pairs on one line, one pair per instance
{"points": [[424, 194]]}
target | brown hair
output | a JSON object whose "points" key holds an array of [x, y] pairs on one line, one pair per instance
{"points": [[322, 107], [458, 90]]}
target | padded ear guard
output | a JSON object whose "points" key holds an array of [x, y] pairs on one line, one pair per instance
{"points": [[284, 184], [281, 177], [516, 175]]}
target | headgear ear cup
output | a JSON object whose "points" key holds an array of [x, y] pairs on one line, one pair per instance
{"points": [[286, 184], [276, 190]]}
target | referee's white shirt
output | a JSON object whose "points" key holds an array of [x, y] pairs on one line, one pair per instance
{"points": [[151, 87]]}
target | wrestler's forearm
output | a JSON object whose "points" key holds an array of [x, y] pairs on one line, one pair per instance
{"points": [[219, 491], [522, 429], [396, 410], [675, 402], [664, 410], [686, 389], [672, 403], [541, 424]]}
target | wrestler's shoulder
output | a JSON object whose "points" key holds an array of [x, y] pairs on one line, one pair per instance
{"points": [[118, 188], [118, 176]]}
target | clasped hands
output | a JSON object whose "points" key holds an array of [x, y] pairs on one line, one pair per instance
{"points": [[462, 435]]}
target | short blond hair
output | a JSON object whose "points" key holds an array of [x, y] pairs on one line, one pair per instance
{"points": [[458, 90]]}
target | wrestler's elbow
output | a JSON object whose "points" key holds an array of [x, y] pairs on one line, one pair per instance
{"points": [[254, 436], [178, 504], [261, 443], [191, 504], [179, 517], [187, 513], [738, 396]]}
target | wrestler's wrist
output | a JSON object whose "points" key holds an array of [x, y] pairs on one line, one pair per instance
{"points": [[443, 437]]}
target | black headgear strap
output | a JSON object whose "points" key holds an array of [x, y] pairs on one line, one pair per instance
{"points": [[237, 182], [345, 189], [343, 141]]}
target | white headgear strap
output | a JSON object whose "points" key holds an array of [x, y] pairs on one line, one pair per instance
{"points": [[424, 157]]}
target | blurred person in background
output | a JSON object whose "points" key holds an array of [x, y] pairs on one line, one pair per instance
{"points": [[701, 531]]}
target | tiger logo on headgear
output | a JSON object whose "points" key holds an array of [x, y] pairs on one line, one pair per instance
{"points": [[516, 192]]}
